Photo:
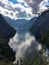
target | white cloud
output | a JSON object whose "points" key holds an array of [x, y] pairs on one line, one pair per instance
{"points": [[11, 10], [23, 45], [43, 5], [7, 8], [20, 1], [37, 5], [8, 13], [34, 4]]}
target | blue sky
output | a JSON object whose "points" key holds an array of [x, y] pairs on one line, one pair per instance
{"points": [[14, 1], [22, 9]]}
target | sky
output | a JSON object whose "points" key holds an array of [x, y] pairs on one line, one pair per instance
{"points": [[22, 9]]}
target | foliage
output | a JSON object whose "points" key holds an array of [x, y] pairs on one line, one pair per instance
{"points": [[5, 51], [37, 60], [5, 62], [45, 38]]}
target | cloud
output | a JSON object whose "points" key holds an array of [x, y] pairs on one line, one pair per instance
{"points": [[7, 8], [23, 14], [36, 5], [43, 5], [20, 1], [19, 43], [27, 7]]}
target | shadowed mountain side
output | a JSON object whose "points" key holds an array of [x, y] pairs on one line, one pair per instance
{"points": [[41, 28], [6, 32]]}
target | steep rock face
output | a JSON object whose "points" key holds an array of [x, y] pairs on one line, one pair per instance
{"points": [[6, 32], [41, 28]]}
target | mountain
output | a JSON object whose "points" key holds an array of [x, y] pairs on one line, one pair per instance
{"points": [[6, 32], [40, 28], [19, 23]]}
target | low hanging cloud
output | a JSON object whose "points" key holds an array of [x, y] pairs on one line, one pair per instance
{"points": [[24, 45], [20, 45]]}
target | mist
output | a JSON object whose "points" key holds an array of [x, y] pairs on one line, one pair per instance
{"points": [[24, 44]]}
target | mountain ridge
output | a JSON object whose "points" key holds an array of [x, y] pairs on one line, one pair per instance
{"points": [[41, 28], [20, 23], [6, 32], [5, 28]]}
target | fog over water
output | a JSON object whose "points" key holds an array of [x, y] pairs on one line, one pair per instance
{"points": [[24, 44]]}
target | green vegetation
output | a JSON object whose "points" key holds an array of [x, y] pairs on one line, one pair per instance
{"points": [[6, 53], [45, 37], [6, 32], [5, 62], [37, 60]]}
